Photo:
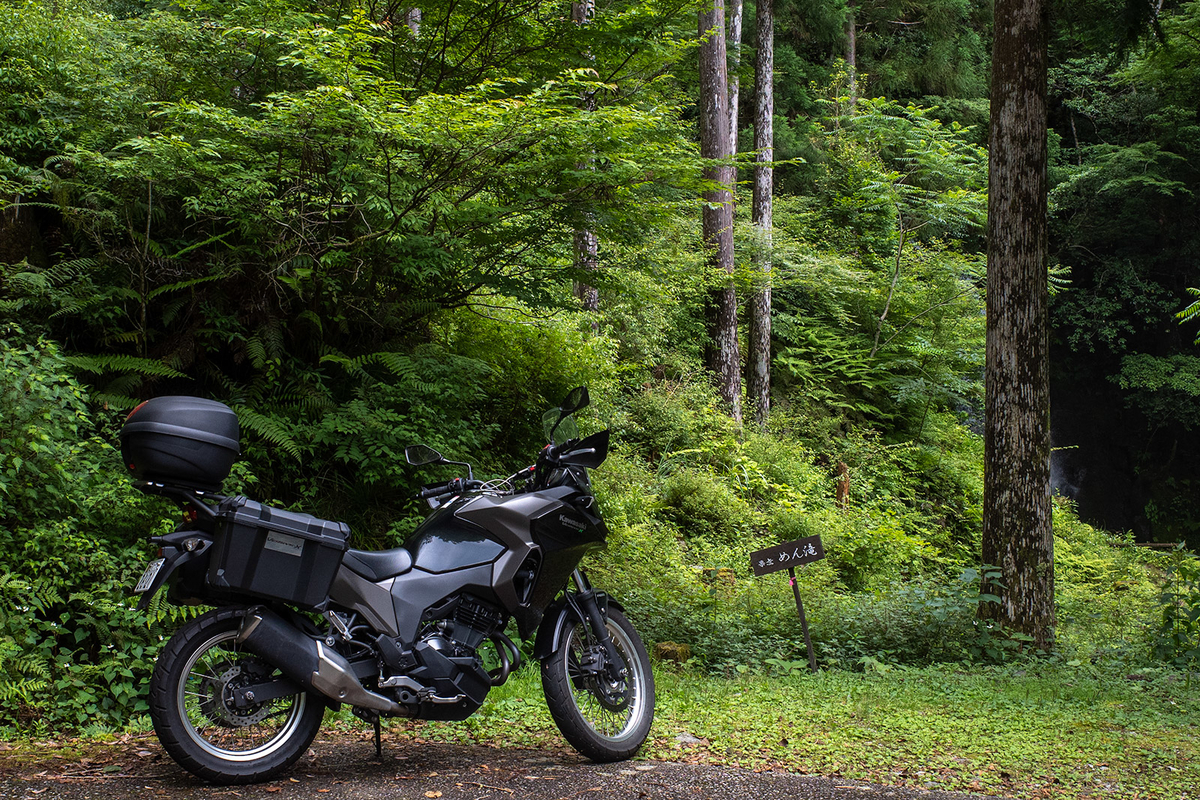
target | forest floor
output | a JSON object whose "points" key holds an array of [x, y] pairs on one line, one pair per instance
{"points": [[343, 765], [1021, 731]]}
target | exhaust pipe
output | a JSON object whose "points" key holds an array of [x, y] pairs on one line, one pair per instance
{"points": [[308, 662]]}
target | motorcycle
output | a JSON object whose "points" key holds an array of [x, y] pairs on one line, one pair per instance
{"points": [[302, 623]]}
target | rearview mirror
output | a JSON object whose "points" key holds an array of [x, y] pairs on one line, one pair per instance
{"points": [[421, 454], [576, 399]]}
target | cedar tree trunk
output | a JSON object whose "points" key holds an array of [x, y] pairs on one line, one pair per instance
{"points": [[587, 244], [758, 360], [1017, 534], [735, 62], [717, 220]]}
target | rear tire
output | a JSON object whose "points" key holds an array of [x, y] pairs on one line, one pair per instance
{"points": [[212, 738], [594, 727]]}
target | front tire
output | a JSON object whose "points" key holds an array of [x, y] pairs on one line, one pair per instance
{"points": [[594, 725], [212, 738]]}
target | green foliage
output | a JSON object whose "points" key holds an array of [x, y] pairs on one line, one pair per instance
{"points": [[1106, 592], [42, 417], [1163, 389], [901, 335], [73, 651], [1123, 204], [361, 238], [919, 623], [705, 508], [1178, 639]]}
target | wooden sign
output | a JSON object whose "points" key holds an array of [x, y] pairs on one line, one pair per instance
{"points": [[787, 555], [790, 555]]}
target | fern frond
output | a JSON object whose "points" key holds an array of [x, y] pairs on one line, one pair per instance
{"points": [[1193, 310], [272, 338], [123, 385], [175, 287], [256, 352], [269, 429], [99, 364], [117, 401], [1059, 278], [399, 364]]}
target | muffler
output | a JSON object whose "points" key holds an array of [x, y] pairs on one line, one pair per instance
{"points": [[308, 662]]}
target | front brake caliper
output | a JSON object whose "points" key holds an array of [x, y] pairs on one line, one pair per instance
{"points": [[594, 665]]}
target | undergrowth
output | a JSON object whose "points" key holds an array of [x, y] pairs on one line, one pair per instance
{"points": [[687, 497]]}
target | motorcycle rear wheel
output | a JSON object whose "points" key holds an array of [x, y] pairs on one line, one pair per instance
{"points": [[599, 729], [205, 733]]}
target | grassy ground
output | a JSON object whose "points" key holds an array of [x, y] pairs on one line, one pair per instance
{"points": [[1024, 731]]}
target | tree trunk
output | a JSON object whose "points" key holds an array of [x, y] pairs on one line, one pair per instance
{"points": [[852, 50], [735, 62], [587, 257], [1017, 535], [717, 222], [587, 244], [758, 360]]}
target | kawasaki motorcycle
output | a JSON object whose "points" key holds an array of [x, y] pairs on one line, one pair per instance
{"points": [[302, 623]]}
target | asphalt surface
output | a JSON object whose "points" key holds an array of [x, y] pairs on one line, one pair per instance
{"points": [[346, 767]]}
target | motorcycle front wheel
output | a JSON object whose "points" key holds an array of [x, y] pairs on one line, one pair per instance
{"points": [[196, 721], [604, 721]]}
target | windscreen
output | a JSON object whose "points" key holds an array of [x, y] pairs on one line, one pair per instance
{"points": [[558, 431]]}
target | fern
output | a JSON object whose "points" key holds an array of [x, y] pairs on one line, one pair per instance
{"points": [[270, 429], [1059, 278], [117, 401], [1192, 311], [146, 367]]}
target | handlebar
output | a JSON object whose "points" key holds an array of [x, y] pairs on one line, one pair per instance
{"points": [[456, 486]]}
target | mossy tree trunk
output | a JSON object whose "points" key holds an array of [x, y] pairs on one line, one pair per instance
{"points": [[715, 144], [758, 337], [1017, 535]]}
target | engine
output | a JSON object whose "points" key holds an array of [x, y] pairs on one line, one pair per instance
{"points": [[442, 676]]}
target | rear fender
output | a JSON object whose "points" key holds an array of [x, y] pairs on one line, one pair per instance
{"points": [[178, 548]]}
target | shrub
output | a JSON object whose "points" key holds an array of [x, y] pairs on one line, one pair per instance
{"points": [[920, 623], [42, 416], [703, 507], [73, 650], [1105, 591], [1178, 639]]}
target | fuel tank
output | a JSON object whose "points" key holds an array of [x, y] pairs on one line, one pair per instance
{"points": [[445, 542]]}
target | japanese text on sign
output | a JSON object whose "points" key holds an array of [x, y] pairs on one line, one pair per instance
{"points": [[787, 554]]}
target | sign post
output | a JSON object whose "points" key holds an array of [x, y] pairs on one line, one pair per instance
{"points": [[790, 555]]}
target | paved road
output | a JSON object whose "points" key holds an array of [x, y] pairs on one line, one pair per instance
{"points": [[342, 767]]}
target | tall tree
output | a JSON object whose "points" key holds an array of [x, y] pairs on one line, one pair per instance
{"points": [[758, 361], [735, 63], [852, 49], [717, 216], [586, 243], [1017, 535]]}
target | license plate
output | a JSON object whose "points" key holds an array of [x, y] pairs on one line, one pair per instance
{"points": [[149, 575]]}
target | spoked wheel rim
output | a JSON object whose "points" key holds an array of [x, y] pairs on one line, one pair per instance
{"points": [[216, 726], [606, 722]]}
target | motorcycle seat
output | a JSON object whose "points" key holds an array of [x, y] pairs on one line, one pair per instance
{"points": [[378, 565]]}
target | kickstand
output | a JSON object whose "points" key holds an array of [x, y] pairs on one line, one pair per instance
{"points": [[378, 739]]}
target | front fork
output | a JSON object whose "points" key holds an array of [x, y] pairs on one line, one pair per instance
{"points": [[588, 606]]}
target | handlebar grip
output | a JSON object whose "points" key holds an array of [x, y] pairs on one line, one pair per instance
{"points": [[440, 489], [449, 487]]}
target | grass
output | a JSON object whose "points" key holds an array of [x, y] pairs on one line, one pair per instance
{"points": [[1032, 730], [1026, 730]]}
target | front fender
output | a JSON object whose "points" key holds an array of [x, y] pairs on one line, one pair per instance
{"points": [[558, 619]]}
